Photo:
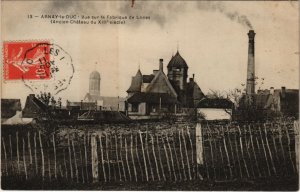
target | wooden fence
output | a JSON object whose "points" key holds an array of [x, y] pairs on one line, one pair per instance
{"points": [[214, 152]]}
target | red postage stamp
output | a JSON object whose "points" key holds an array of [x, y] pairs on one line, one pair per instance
{"points": [[26, 60]]}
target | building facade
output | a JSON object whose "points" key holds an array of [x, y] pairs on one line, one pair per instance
{"points": [[157, 94]]}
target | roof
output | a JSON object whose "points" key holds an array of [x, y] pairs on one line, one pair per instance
{"points": [[194, 90], [95, 75], [215, 103], [147, 78], [263, 101], [155, 98], [34, 107], [136, 82], [177, 61], [9, 107]]}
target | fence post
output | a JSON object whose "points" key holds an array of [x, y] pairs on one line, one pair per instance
{"points": [[296, 132], [24, 160], [267, 142], [107, 157], [54, 149], [171, 156], [211, 151], [147, 152], [253, 150], [70, 156], [81, 163], [176, 157], [102, 158], [132, 157], [167, 158], [264, 149], [126, 156], [282, 150], [42, 153], [86, 158], [75, 161], [160, 160], [289, 148], [29, 146], [10, 148], [5, 156], [94, 159], [155, 160], [121, 158], [48, 158], [146, 171], [192, 149], [18, 155], [65, 164], [247, 145], [35, 155], [111, 154], [242, 151], [116, 144], [226, 151], [181, 155]]}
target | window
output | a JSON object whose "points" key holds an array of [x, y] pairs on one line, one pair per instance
{"points": [[135, 107]]}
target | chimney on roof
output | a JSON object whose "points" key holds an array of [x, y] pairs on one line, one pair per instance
{"points": [[283, 91], [193, 76], [161, 65], [250, 87]]}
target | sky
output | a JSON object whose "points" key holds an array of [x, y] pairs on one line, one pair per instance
{"points": [[210, 35]]}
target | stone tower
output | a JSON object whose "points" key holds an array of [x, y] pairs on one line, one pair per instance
{"points": [[94, 86], [250, 87], [177, 74]]}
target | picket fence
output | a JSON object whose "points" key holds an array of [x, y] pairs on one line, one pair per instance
{"points": [[207, 151]]}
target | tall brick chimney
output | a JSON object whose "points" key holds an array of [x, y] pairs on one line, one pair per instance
{"points": [[250, 87]]}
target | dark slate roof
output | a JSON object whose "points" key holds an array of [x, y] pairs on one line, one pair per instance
{"points": [[154, 98], [136, 82], [194, 90], [147, 78], [177, 61], [263, 101], [95, 75], [215, 103], [9, 107]]}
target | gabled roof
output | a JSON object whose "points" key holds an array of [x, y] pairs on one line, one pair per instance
{"points": [[218, 103], [177, 61], [151, 86], [153, 98], [194, 90], [136, 82]]}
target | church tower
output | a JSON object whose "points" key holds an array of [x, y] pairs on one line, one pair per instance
{"points": [[94, 85], [177, 74]]}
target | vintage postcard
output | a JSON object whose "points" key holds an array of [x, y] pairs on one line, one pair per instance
{"points": [[149, 95]]}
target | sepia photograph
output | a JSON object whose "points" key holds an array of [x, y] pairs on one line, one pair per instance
{"points": [[150, 95]]}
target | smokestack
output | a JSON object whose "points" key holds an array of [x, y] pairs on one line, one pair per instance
{"points": [[250, 87], [161, 65], [283, 91]]}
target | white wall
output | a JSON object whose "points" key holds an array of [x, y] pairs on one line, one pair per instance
{"points": [[215, 114]]}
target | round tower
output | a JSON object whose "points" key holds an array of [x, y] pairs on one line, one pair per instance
{"points": [[94, 86]]}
